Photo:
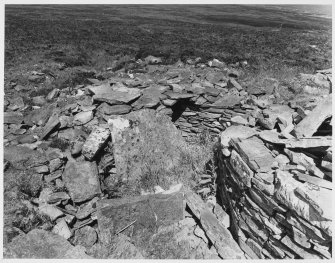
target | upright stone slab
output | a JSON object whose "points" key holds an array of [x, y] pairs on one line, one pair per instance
{"points": [[95, 141], [82, 181], [309, 125], [241, 168], [220, 236]]}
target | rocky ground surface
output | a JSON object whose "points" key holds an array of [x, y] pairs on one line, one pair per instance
{"points": [[79, 162]]}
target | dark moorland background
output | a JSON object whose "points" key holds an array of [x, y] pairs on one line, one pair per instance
{"points": [[277, 41]]}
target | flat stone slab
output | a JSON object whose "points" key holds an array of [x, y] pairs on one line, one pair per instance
{"points": [[145, 213], [82, 181], [38, 244], [254, 153], [107, 109], [95, 141], [114, 95], [227, 101], [177, 96], [242, 132]]}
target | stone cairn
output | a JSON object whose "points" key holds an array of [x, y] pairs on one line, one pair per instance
{"points": [[274, 159]]}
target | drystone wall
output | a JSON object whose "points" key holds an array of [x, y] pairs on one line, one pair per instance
{"points": [[276, 189]]}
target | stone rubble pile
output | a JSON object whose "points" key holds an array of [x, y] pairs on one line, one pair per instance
{"points": [[77, 144], [276, 184]]}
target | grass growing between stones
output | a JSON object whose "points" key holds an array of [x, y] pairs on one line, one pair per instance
{"points": [[160, 156]]}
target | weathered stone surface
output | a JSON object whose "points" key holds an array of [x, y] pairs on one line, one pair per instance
{"points": [[39, 116], [52, 123], [220, 237], [300, 238], [12, 117], [315, 181], [39, 100], [271, 136], [81, 180], [77, 252], [51, 211], [95, 141], [87, 209], [107, 109], [116, 95], [241, 168], [221, 215], [263, 201], [83, 117], [305, 161], [23, 157], [147, 100], [227, 101], [62, 229], [312, 209], [265, 188], [254, 153], [56, 197], [85, 236], [177, 96], [274, 113], [253, 227], [55, 164], [232, 83], [312, 142], [169, 102], [238, 120], [183, 239], [303, 253], [125, 249], [241, 132], [317, 197], [149, 211], [309, 125], [38, 244], [255, 247]]}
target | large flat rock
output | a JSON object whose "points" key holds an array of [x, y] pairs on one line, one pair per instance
{"points": [[82, 181], [146, 213]]}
